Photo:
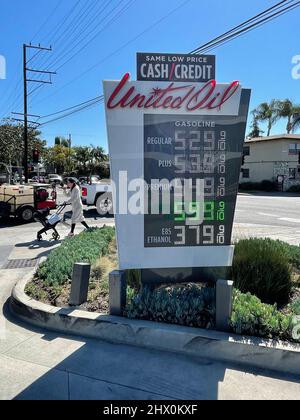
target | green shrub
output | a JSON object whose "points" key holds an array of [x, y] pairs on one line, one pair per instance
{"points": [[292, 252], [268, 186], [134, 279], [294, 189], [261, 267], [85, 247], [296, 308], [265, 185], [251, 317], [190, 306], [249, 186]]}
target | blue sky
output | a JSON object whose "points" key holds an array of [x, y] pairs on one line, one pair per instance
{"points": [[261, 60]]}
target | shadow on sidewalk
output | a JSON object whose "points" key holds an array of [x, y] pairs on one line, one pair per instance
{"points": [[38, 244], [98, 370], [46, 247]]}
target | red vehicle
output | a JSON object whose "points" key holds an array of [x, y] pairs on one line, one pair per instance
{"points": [[43, 201], [22, 200]]}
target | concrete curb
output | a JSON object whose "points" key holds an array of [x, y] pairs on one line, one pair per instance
{"points": [[254, 352]]}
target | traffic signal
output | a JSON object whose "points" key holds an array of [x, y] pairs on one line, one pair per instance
{"points": [[299, 158], [36, 156], [243, 160]]}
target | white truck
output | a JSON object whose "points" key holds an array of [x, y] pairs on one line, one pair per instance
{"points": [[98, 194]]}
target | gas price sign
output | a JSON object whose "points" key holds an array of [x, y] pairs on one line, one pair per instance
{"points": [[197, 162], [176, 150]]}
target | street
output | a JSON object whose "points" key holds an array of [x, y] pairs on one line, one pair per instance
{"points": [[268, 215], [37, 364]]}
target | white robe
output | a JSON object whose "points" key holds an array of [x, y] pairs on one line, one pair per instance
{"points": [[77, 206]]}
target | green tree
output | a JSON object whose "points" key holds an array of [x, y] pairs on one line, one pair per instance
{"points": [[99, 154], [58, 157], [61, 141], [83, 157], [255, 129], [295, 122], [12, 143], [268, 112], [291, 111]]}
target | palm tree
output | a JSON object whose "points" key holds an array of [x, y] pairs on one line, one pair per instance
{"points": [[295, 122], [255, 129], [99, 154], [83, 157], [292, 112], [269, 112]]}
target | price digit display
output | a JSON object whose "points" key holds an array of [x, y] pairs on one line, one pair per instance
{"points": [[200, 158]]}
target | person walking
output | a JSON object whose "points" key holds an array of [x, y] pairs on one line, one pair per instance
{"points": [[77, 206]]}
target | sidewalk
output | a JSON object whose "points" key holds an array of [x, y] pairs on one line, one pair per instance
{"points": [[38, 365]]}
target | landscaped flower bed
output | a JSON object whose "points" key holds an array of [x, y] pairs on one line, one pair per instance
{"points": [[266, 275], [52, 282]]}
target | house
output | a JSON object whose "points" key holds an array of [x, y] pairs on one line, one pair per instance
{"points": [[274, 158]]}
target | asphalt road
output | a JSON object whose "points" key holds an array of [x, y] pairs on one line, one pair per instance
{"points": [[268, 215]]}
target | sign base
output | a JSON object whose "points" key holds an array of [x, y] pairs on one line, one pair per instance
{"points": [[183, 275]]}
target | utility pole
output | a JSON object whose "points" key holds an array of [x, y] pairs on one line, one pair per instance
{"points": [[26, 80], [70, 145], [25, 114]]}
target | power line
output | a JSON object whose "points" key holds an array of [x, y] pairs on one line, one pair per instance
{"points": [[46, 22], [223, 37], [113, 19], [19, 82], [61, 23], [242, 24], [247, 30], [80, 29], [72, 107], [71, 27], [94, 103], [26, 80], [215, 42], [152, 26], [76, 25]]}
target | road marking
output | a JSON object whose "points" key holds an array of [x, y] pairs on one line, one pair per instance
{"points": [[269, 215], [286, 219]]}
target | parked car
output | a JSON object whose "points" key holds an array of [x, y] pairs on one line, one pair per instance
{"points": [[98, 194], [94, 179], [65, 180], [54, 179], [38, 180], [83, 180]]}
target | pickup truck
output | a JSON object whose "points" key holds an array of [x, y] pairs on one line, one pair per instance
{"points": [[98, 194]]}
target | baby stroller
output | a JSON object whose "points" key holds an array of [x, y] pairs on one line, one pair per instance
{"points": [[49, 221]]}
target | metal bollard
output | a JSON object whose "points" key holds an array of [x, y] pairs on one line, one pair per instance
{"points": [[224, 291], [80, 284], [117, 292]]}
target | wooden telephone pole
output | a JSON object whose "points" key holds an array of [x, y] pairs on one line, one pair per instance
{"points": [[26, 80]]}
